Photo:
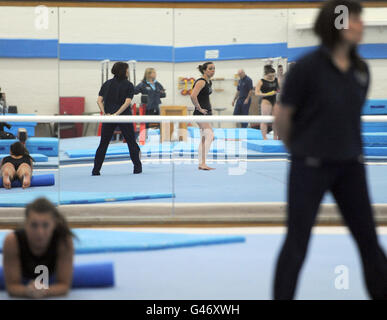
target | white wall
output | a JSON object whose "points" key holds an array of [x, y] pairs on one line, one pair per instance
{"points": [[35, 84], [116, 25], [31, 84], [24, 22], [198, 27]]}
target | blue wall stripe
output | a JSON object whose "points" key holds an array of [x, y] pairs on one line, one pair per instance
{"points": [[82, 51], [294, 53], [231, 52], [38, 48], [373, 50], [367, 51], [28, 48]]}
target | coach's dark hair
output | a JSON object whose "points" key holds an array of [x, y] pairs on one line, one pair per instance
{"points": [[42, 205], [119, 70], [19, 149], [325, 29], [203, 67]]}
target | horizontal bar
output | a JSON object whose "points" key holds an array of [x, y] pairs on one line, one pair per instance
{"points": [[148, 119]]}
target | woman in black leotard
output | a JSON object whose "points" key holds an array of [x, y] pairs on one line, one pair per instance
{"points": [[267, 88], [45, 241], [200, 97], [18, 165]]}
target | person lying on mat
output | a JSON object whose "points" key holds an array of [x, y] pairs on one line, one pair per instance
{"points": [[37, 252], [17, 166]]}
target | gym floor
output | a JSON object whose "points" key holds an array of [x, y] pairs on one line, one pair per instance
{"points": [[256, 180], [230, 271]]}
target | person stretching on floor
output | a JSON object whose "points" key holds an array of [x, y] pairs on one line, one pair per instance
{"points": [[18, 165], [44, 247]]}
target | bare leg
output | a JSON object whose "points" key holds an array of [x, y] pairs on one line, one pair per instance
{"points": [[24, 173], [7, 172], [207, 136], [275, 131], [266, 109]]}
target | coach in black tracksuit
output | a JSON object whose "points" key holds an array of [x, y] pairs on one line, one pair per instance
{"points": [[320, 122], [114, 99]]}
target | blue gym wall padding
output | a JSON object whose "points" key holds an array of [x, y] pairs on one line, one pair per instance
{"points": [[21, 199], [87, 275], [36, 181]]}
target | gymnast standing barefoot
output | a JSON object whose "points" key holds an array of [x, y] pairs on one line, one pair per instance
{"points": [[17, 166], [267, 88], [200, 98]]}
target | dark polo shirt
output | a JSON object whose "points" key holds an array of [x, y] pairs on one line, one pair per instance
{"points": [[245, 85], [114, 93], [328, 103]]}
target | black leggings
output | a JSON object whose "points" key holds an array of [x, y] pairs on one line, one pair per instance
{"points": [[106, 136], [306, 187]]}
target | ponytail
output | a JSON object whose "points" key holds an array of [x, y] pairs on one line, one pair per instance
{"points": [[203, 67]]}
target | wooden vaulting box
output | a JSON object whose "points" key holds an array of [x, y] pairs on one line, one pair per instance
{"points": [[167, 129]]}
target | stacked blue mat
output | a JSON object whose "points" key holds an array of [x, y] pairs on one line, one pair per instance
{"points": [[266, 146], [375, 144], [101, 274], [29, 126]]}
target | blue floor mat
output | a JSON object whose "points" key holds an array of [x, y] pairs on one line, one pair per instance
{"points": [[21, 199], [102, 241], [148, 149]]}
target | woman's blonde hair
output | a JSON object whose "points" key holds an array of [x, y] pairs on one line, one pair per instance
{"points": [[148, 72]]}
